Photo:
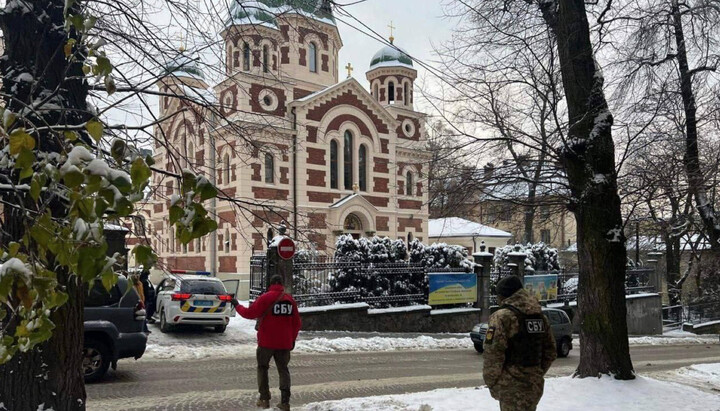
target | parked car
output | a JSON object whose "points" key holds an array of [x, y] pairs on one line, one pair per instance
{"points": [[114, 327], [559, 322], [193, 300]]}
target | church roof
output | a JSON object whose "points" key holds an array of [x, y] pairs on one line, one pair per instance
{"points": [[264, 12], [391, 56], [184, 65]]}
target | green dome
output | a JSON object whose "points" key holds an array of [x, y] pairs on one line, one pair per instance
{"points": [[263, 12], [184, 65], [391, 56]]}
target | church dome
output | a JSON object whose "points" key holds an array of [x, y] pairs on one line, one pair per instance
{"points": [[184, 65], [391, 56], [264, 12]]}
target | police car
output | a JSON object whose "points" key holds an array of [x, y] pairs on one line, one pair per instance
{"points": [[192, 298], [559, 322]]}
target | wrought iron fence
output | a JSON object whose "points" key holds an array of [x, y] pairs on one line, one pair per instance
{"points": [[319, 280], [672, 316], [703, 312]]}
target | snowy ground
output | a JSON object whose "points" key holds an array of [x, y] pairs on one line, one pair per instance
{"points": [[589, 394], [239, 340]]}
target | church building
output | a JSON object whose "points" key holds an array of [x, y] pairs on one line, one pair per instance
{"points": [[295, 143]]}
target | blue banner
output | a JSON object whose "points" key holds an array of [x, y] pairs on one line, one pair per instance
{"points": [[452, 288]]}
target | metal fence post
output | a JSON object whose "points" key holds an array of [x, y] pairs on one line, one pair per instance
{"points": [[483, 261], [656, 278], [517, 261], [277, 265]]}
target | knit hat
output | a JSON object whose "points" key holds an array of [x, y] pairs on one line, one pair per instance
{"points": [[508, 286]]}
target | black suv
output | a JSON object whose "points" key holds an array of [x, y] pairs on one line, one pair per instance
{"points": [[114, 328]]}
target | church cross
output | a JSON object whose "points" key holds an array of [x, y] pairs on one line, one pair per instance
{"points": [[391, 28], [349, 69]]}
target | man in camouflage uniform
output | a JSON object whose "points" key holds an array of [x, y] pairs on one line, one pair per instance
{"points": [[519, 348]]}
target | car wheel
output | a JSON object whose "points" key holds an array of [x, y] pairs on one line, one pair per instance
{"points": [[220, 328], [164, 326], [564, 348], [96, 360], [479, 347]]}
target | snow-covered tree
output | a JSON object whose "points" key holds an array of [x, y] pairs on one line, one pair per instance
{"points": [[540, 257]]}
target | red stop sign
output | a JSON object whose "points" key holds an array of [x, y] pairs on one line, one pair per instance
{"points": [[286, 248]]}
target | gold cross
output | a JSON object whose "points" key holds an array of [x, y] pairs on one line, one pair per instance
{"points": [[391, 31], [349, 68], [183, 43]]}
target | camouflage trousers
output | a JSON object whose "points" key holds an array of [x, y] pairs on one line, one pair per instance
{"points": [[519, 404]]}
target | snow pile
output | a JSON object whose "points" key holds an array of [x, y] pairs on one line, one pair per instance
{"points": [[588, 394], [675, 337], [381, 344], [704, 375]]}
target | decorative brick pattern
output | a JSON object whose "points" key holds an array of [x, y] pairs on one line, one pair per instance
{"points": [[382, 223], [312, 133], [227, 218], [380, 185], [380, 165], [187, 263], [384, 146], [267, 193], [410, 204], [255, 90], [319, 197], [320, 241], [228, 264], [405, 223], [348, 98], [378, 201], [255, 172], [284, 171], [401, 133], [304, 31], [303, 59], [158, 208], [284, 55], [258, 242], [339, 120], [316, 156], [299, 93], [317, 221], [316, 178], [324, 66]]}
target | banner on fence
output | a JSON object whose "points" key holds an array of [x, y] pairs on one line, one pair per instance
{"points": [[542, 287], [452, 288]]}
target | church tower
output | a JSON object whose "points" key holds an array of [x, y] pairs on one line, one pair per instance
{"points": [[392, 77]]}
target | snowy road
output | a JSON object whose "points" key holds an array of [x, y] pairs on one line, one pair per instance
{"points": [[224, 384]]}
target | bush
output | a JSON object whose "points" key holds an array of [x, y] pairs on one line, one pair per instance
{"points": [[540, 257]]}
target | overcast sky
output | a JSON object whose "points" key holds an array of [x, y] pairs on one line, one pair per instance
{"points": [[419, 24]]}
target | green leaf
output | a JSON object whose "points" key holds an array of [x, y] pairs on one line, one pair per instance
{"points": [[73, 178], [176, 213], [70, 135], [207, 191], [8, 119], [144, 255], [189, 181], [185, 236], [118, 150], [139, 172], [90, 22], [95, 129], [87, 263], [77, 21], [123, 207], [35, 187], [13, 249], [108, 279], [57, 299], [104, 67], [110, 85], [19, 140]]}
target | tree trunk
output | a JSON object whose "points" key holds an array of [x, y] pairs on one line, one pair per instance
{"points": [[589, 161], [51, 373], [696, 181]]}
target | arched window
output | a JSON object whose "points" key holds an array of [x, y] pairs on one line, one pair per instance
{"points": [[362, 168], [172, 240], [269, 168], [376, 92], [406, 94], [312, 51], [409, 238], [348, 160], [333, 164], [226, 168], [198, 245], [409, 184], [391, 92], [266, 66], [226, 246], [246, 57]]}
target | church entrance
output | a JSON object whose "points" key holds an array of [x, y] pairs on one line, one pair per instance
{"points": [[353, 226]]}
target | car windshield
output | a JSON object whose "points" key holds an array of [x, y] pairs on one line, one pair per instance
{"points": [[202, 287]]}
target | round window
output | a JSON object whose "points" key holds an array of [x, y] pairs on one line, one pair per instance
{"points": [[268, 100], [408, 128]]}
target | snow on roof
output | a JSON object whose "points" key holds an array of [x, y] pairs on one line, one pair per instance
{"points": [[459, 227], [265, 12], [687, 243], [344, 200], [391, 56]]}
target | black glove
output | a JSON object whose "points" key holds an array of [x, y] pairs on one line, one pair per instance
{"points": [[234, 302], [293, 347]]}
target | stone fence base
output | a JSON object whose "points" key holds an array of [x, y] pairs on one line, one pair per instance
{"points": [[359, 317]]}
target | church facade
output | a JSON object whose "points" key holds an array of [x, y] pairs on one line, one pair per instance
{"points": [[296, 144]]}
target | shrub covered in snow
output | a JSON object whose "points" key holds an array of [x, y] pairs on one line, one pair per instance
{"points": [[379, 266], [540, 257]]}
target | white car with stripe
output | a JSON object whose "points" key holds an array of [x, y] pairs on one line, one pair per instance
{"points": [[188, 299]]}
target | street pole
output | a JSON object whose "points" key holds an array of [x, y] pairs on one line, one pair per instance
{"points": [[213, 200], [637, 242]]}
